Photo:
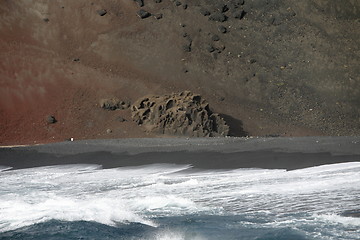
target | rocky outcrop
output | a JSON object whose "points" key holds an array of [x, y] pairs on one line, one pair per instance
{"points": [[183, 114], [113, 104]]}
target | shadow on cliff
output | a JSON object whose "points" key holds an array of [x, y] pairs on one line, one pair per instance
{"points": [[235, 125]]}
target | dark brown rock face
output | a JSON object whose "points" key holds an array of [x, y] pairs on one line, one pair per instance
{"points": [[183, 114]]}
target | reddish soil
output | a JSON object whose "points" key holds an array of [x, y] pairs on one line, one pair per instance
{"points": [[288, 68]]}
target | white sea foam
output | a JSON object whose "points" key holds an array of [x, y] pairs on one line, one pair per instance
{"points": [[4, 168], [169, 203], [18, 214], [137, 194], [177, 235], [337, 219]]}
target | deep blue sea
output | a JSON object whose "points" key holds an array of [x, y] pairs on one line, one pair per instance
{"points": [[164, 202]]}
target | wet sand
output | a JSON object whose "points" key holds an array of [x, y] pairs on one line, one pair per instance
{"points": [[201, 153]]}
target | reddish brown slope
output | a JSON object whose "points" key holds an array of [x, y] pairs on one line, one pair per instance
{"points": [[40, 78]]}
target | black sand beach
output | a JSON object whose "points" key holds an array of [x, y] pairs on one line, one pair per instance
{"points": [[201, 153]]}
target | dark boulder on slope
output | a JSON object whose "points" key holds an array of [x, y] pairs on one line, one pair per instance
{"points": [[204, 12], [218, 17], [139, 2], [143, 14], [51, 119], [101, 12], [113, 104]]}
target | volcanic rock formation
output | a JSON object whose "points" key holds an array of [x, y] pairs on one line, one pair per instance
{"points": [[184, 114], [113, 104]]}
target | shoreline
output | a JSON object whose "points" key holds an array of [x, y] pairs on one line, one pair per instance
{"points": [[201, 153]]}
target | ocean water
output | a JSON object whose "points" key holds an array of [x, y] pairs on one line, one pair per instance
{"points": [[164, 202]]}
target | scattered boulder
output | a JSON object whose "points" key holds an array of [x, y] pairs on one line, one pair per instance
{"points": [[186, 47], [218, 17], [113, 104], [240, 2], [235, 4], [239, 14], [204, 12], [158, 16], [210, 48], [139, 2], [108, 131], [143, 14], [221, 7], [101, 12], [222, 29], [158, 1], [215, 38], [182, 114], [220, 47], [51, 119]]}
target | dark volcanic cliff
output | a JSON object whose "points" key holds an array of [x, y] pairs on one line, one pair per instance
{"points": [[279, 67]]}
